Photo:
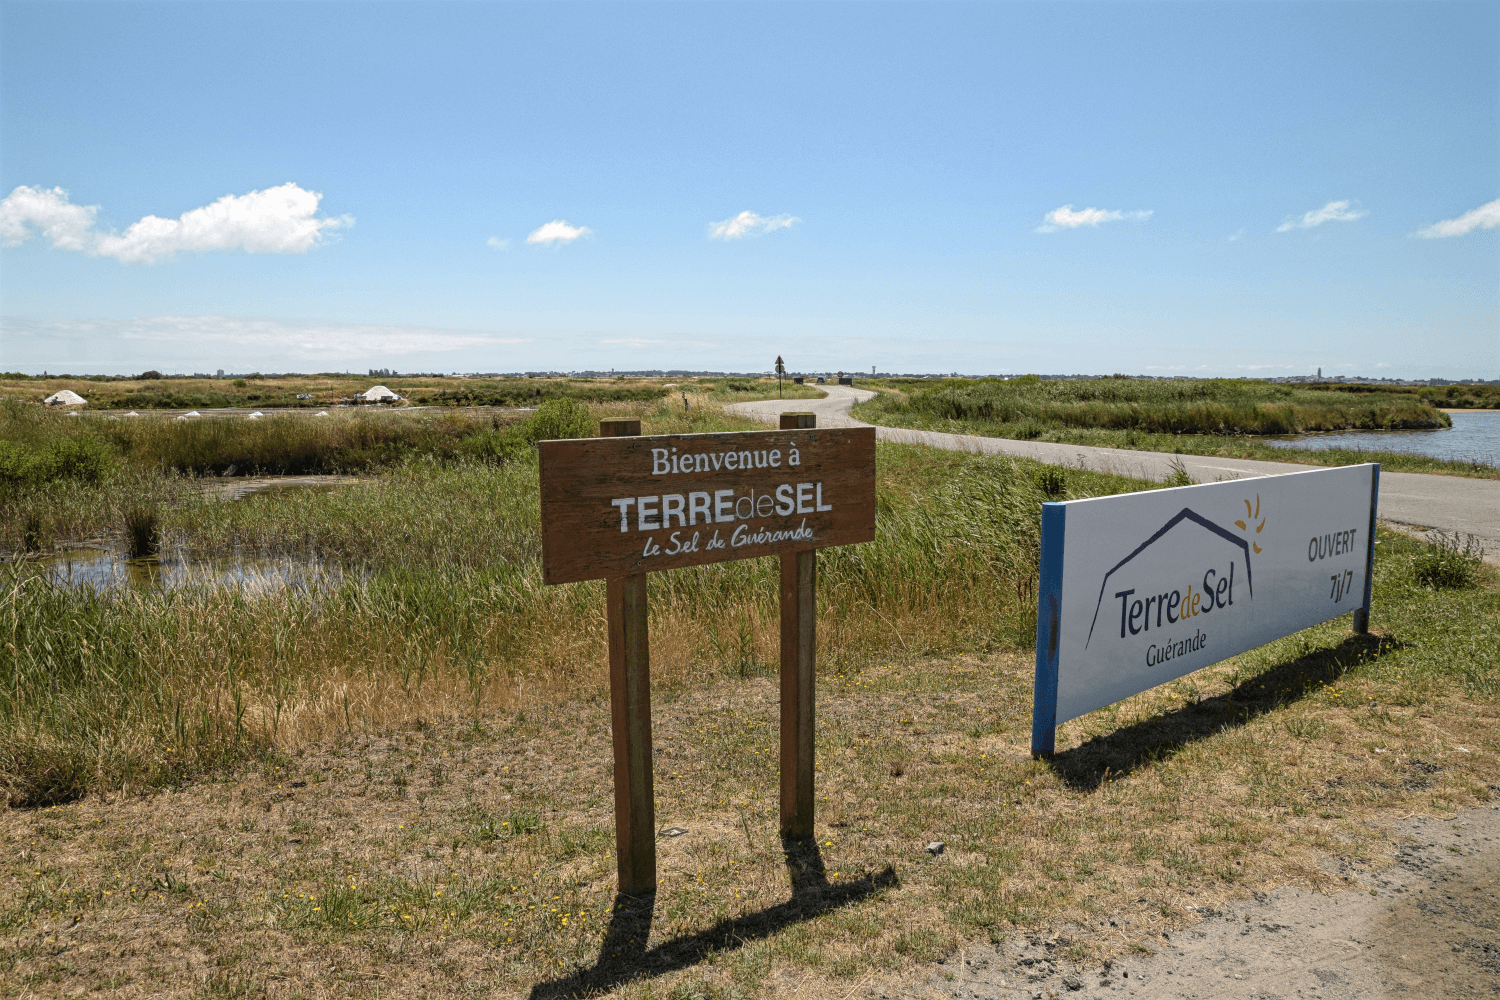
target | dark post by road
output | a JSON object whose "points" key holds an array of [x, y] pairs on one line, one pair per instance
{"points": [[799, 609], [630, 717], [780, 371], [1362, 613]]}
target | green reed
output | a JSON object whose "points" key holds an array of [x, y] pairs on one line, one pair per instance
{"points": [[441, 611], [1188, 406]]}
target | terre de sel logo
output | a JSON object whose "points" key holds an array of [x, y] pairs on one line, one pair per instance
{"points": [[1145, 607]]}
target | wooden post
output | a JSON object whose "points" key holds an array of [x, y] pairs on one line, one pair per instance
{"points": [[799, 608], [630, 718], [623, 427]]}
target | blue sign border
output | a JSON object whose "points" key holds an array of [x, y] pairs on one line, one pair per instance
{"points": [[1048, 629]]}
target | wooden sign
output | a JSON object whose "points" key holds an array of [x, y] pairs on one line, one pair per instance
{"points": [[619, 506]]}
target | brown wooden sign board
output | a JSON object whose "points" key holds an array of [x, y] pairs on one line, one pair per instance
{"points": [[619, 506]]}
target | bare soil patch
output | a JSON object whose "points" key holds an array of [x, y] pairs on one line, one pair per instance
{"points": [[1428, 925]]}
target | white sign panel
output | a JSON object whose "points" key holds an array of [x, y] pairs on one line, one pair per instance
{"points": [[1142, 588]]}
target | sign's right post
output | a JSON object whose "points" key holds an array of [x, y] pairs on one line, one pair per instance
{"points": [[799, 615], [1362, 614]]}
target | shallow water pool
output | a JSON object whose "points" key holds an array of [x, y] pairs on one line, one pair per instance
{"points": [[1474, 437], [108, 569]]}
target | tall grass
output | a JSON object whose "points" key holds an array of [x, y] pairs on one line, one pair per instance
{"points": [[447, 615], [173, 467], [141, 530], [36, 517], [1199, 406], [440, 610], [39, 446], [297, 443], [1461, 397]]}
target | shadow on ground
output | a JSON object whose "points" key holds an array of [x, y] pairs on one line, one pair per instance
{"points": [[1089, 765], [624, 955]]}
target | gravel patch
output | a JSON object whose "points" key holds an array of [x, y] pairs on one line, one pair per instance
{"points": [[1426, 926]]}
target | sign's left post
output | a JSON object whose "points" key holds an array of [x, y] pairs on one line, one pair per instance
{"points": [[630, 717]]}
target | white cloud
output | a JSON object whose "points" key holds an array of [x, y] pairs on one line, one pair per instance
{"points": [[1068, 217], [258, 343], [1238, 234], [67, 225], [1334, 211], [749, 224], [558, 231], [1484, 217], [632, 342], [497, 243], [277, 220]]}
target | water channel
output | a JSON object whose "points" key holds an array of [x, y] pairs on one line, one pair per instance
{"points": [[103, 565], [101, 568], [1474, 437]]}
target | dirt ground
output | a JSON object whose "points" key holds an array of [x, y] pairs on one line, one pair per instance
{"points": [[476, 858], [1427, 926]]}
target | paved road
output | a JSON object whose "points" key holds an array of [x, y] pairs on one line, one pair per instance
{"points": [[1451, 503]]}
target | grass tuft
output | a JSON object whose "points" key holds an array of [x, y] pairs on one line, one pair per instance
{"points": [[141, 526], [1453, 562]]}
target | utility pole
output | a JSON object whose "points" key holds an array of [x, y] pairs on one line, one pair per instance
{"points": [[780, 371]]}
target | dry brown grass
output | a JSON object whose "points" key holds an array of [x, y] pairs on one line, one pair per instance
{"points": [[443, 861]]}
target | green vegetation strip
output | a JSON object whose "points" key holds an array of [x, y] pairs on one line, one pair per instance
{"points": [[1224, 417], [153, 392]]}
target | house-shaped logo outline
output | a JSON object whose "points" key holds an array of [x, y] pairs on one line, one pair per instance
{"points": [[1186, 514]]}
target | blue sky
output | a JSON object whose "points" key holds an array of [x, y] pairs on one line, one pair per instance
{"points": [[1225, 189]]}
